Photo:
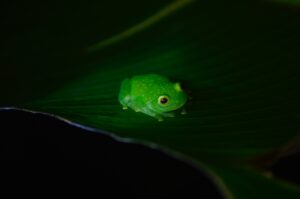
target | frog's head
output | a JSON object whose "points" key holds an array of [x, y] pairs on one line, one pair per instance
{"points": [[169, 98]]}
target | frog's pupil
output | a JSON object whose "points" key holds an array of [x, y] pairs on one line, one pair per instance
{"points": [[163, 100]]}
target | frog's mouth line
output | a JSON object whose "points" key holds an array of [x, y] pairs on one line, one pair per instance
{"points": [[177, 108], [170, 111], [180, 106]]}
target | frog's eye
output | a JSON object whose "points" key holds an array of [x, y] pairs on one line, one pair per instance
{"points": [[163, 100]]}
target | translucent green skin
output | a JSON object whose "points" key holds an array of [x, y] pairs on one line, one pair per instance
{"points": [[142, 93]]}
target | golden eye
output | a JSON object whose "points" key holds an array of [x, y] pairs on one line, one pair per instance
{"points": [[163, 100]]}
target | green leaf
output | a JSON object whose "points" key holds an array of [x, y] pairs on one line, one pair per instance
{"points": [[238, 61], [247, 184]]}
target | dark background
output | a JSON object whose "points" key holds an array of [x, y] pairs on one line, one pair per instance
{"points": [[42, 153], [50, 38]]}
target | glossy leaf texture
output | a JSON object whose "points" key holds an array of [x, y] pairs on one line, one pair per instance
{"points": [[237, 60]]}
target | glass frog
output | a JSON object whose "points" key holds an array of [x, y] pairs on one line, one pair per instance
{"points": [[153, 95]]}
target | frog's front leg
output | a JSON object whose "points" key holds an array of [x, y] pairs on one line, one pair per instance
{"points": [[125, 102], [183, 111], [169, 114], [151, 113], [159, 118], [124, 95]]}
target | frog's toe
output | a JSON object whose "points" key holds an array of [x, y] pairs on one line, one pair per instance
{"points": [[124, 107], [137, 110], [169, 114], [160, 119], [183, 112]]}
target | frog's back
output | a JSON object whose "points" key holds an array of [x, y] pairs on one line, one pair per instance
{"points": [[147, 85]]}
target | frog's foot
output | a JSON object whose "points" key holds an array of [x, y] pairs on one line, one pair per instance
{"points": [[183, 112], [125, 102], [160, 119], [168, 114]]}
